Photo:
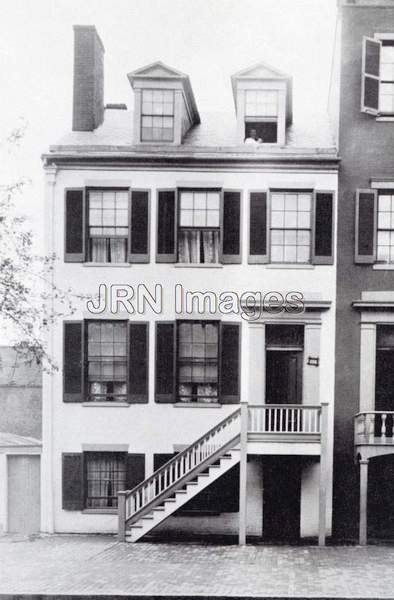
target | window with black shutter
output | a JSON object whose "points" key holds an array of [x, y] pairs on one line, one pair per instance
{"points": [[323, 250], [108, 227], [370, 75], [166, 226], [138, 363], [74, 226], [258, 239], [230, 363], [139, 227], [72, 481], [165, 362], [231, 227], [106, 361], [198, 362], [199, 226], [73, 361], [366, 209], [105, 476]]}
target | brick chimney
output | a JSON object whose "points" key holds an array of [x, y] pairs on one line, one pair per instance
{"points": [[88, 96]]}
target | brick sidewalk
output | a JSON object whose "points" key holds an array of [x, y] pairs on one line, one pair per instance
{"points": [[101, 565]]}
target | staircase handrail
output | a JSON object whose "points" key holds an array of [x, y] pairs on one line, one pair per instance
{"points": [[178, 457]]}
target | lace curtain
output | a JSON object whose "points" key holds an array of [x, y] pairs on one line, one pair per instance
{"points": [[106, 475], [108, 250], [196, 246]]}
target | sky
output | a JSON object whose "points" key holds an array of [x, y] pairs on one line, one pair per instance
{"points": [[207, 39]]}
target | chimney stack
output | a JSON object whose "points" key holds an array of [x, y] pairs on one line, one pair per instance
{"points": [[88, 95]]}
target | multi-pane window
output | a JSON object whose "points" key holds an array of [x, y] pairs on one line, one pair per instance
{"points": [[157, 116], [199, 227], [385, 237], [261, 103], [107, 361], [108, 225], [105, 476], [291, 227], [261, 115], [197, 368], [386, 96]]}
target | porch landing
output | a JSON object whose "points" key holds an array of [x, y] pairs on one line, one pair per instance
{"points": [[99, 565]]}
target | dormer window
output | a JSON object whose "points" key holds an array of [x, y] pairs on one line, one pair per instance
{"points": [[261, 116], [263, 103], [164, 105], [157, 116]]}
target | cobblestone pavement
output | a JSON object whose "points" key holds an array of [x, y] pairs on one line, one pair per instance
{"points": [[100, 565]]}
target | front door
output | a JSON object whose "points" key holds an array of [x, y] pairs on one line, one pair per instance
{"points": [[283, 377], [24, 494], [281, 498]]}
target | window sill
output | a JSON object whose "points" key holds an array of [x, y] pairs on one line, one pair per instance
{"points": [[196, 405], [105, 404], [383, 267], [306, 267], [107, 264], [198, 266], [385, 119], [100, 511]]}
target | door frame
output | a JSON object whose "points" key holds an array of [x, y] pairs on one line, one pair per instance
{"points": [[12, 449]]}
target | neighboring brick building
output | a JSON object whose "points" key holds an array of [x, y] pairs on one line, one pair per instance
{"points": [[365, 292]]}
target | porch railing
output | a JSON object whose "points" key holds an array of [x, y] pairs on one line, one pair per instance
{"points": [[286, 419], [374, 427], [269, 420]]}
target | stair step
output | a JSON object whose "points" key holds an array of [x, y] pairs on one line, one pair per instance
{"points": [[158, 508], [170, 500], [148, 517], [181, 492], [192, 483]]}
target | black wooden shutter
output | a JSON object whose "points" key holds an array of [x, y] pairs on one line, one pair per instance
{"points": [[258, 228], [366, 207], [72, 481], [135, 470], [74, 226], [138, 363], [230, 363], [166, 226], [231, 227], [323, 235], [73, 361], [139, 227], [370, 75], [165, 362]]}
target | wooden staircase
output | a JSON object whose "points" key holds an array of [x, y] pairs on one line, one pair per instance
{"points": [[179, 480]]}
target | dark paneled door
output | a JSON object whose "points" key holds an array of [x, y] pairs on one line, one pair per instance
{"points": [[281, 498], [284, 377]]}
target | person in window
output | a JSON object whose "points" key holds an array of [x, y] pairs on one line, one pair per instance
{"points": [[252, 138]]}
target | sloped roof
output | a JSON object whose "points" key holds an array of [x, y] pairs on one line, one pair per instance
{"points": [[216, 130], [11, 440]]}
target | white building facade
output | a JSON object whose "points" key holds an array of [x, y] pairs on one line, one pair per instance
{"points": [[161, 203]]}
